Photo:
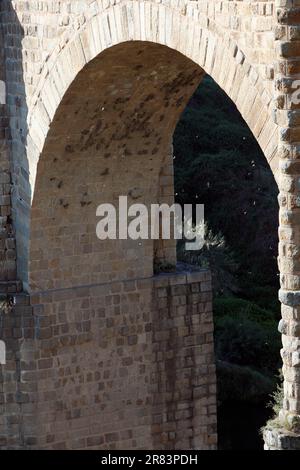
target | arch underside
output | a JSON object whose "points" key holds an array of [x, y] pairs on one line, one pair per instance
{"points": [[111, 136]]}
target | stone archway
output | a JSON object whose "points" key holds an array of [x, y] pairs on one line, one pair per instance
{"points": [[218, 56], [200, 39], [228, 66]]}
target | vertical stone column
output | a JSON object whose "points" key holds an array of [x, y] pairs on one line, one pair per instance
{"points": [[15, 312], [165, 250], [7, 241], [286, 433]]}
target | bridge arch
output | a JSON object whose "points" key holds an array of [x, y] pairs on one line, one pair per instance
{"points": [[195, 37], [251, 50], [184, 43]]}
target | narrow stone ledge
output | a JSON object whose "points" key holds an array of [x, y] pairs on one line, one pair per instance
{"points": [[280, 439], [184, 274]]}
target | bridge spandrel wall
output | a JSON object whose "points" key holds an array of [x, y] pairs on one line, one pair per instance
{"points": [[232, 40], [49, 24]]}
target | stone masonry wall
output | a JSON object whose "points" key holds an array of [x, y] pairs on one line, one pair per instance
{"points": [[231, 40], [251, 49], [7, 240], [129, 365], [288, 117], [279, 439], [108, 139]]}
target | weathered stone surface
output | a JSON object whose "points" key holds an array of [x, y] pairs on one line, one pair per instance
{"points": [[281, 439], [93, 93], [111, 367], [47, 45]]}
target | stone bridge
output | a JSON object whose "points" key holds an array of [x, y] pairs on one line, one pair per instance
{"points": [[100, 352]]}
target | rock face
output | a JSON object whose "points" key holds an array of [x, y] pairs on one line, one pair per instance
{"points": [[99, 353]]}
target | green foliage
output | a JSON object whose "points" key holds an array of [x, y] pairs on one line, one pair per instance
{"points": [[275, 404], [245, 342], [247, 346], [246, 334], [219, 163], [216, 256], [264, 296], [242, 384], [277, 397], [235, 307]]}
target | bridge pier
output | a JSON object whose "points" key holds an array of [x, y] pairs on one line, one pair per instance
{"points": [[284, 432], [126, 365]]}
